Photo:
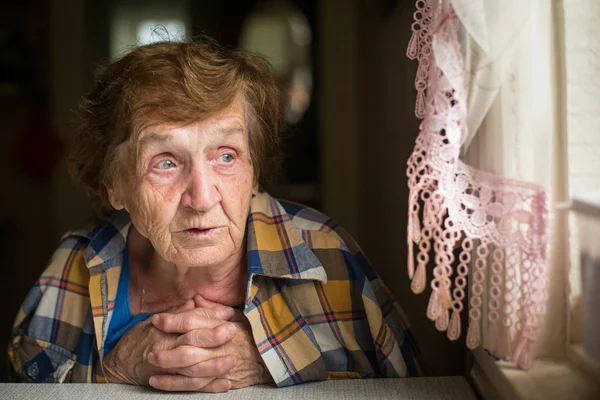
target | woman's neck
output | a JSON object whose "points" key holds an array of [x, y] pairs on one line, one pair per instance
{"points": [[225, 285], [160, 285]]}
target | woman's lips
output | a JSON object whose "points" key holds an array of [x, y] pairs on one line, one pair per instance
{"points": [[196, 232]]}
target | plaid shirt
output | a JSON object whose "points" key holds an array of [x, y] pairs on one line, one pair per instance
{"points": [[317, 309]]}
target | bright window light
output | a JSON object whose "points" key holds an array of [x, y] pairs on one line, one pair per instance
{"points": [[151, 31]]}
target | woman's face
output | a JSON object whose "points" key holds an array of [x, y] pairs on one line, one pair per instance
{"points": [[191, 190]]}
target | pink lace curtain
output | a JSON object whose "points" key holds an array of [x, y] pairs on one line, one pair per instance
{"points": [[478, 229]]}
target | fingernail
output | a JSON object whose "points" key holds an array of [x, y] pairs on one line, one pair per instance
{"points": [[152, 358], [225, 312], [231, 328], [152, 381]]}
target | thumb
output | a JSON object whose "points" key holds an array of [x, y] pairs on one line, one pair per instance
{"points": [[201, 302], [188, 305]]}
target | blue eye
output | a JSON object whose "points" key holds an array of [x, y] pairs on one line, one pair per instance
{"points": [[226, 158], [165, 164]]}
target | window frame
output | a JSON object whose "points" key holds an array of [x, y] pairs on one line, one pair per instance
{"points": [[556, 353]]}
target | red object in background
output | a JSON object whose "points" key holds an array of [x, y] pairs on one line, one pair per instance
{"points": [[38, 148]]}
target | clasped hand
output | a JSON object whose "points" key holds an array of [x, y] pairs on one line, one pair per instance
{"points": [[201, 346]]}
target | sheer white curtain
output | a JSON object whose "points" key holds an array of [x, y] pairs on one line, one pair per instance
{"points": [[513, 136], [480, 171], [516, 135]]}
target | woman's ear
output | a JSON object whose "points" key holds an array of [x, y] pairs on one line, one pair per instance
{"points": [[115, 198], [114, 184]]}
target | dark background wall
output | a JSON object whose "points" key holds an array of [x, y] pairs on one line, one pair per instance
{"points": [[350, 148]]}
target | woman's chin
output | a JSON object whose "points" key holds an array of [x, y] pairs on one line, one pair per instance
{"points": [[203, 256]]}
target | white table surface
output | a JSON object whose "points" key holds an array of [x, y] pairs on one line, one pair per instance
{"points": [[410, 389]]}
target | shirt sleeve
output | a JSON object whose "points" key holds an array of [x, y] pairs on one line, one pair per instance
{"points": [[49, 324], [395, 349], [397, 322]]}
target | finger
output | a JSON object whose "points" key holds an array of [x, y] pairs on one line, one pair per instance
{"points": [[208, 338], [238, 315], [217, 386], [178, 383], [202, 302], [188, 305], [181, 356], [216, 367], [198, 318]]}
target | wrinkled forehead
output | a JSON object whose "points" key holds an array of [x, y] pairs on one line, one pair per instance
{"points": [[231, 121], [226, 128]]}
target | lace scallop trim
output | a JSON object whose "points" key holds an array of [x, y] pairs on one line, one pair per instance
{"points": [[496, 226]]}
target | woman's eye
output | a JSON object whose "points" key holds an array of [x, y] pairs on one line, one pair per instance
{"points": [[165, 164], [226, 158]]}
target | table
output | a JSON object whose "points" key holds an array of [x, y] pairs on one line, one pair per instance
{"points": [[447, 388]]}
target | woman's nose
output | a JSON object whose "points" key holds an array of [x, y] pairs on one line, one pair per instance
{"points": [[202, 193]]}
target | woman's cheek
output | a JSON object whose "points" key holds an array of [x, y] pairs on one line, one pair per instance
{"points": [[159, 179], [166, 185], [168, 195], [151, 202], [238, 173]]}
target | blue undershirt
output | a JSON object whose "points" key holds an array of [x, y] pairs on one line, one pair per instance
{"points": [[122, 320]]}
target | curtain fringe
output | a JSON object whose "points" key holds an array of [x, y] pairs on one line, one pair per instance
{"points": [[499, 224]]}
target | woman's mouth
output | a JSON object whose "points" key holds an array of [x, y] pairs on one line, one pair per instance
{"points": [[197, 232]]}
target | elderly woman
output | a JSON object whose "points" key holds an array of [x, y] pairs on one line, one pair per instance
{"points": [[197, 279]]}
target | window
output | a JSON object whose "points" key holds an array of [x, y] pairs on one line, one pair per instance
{"points": [[135, 23], [583, 119], [564, 370], [501, 89], [280, 32]]}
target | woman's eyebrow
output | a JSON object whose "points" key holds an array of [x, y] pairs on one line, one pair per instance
{"points": [[154, 137], [230, 130], [145, 142]]}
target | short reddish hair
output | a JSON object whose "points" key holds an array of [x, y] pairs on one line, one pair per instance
{"points": [[172, 82]]}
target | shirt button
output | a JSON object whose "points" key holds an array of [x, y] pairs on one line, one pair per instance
{"points": [[33, 371]]}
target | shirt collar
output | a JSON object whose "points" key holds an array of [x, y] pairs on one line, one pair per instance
{"points": [[107, 240], [275, 247]]}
